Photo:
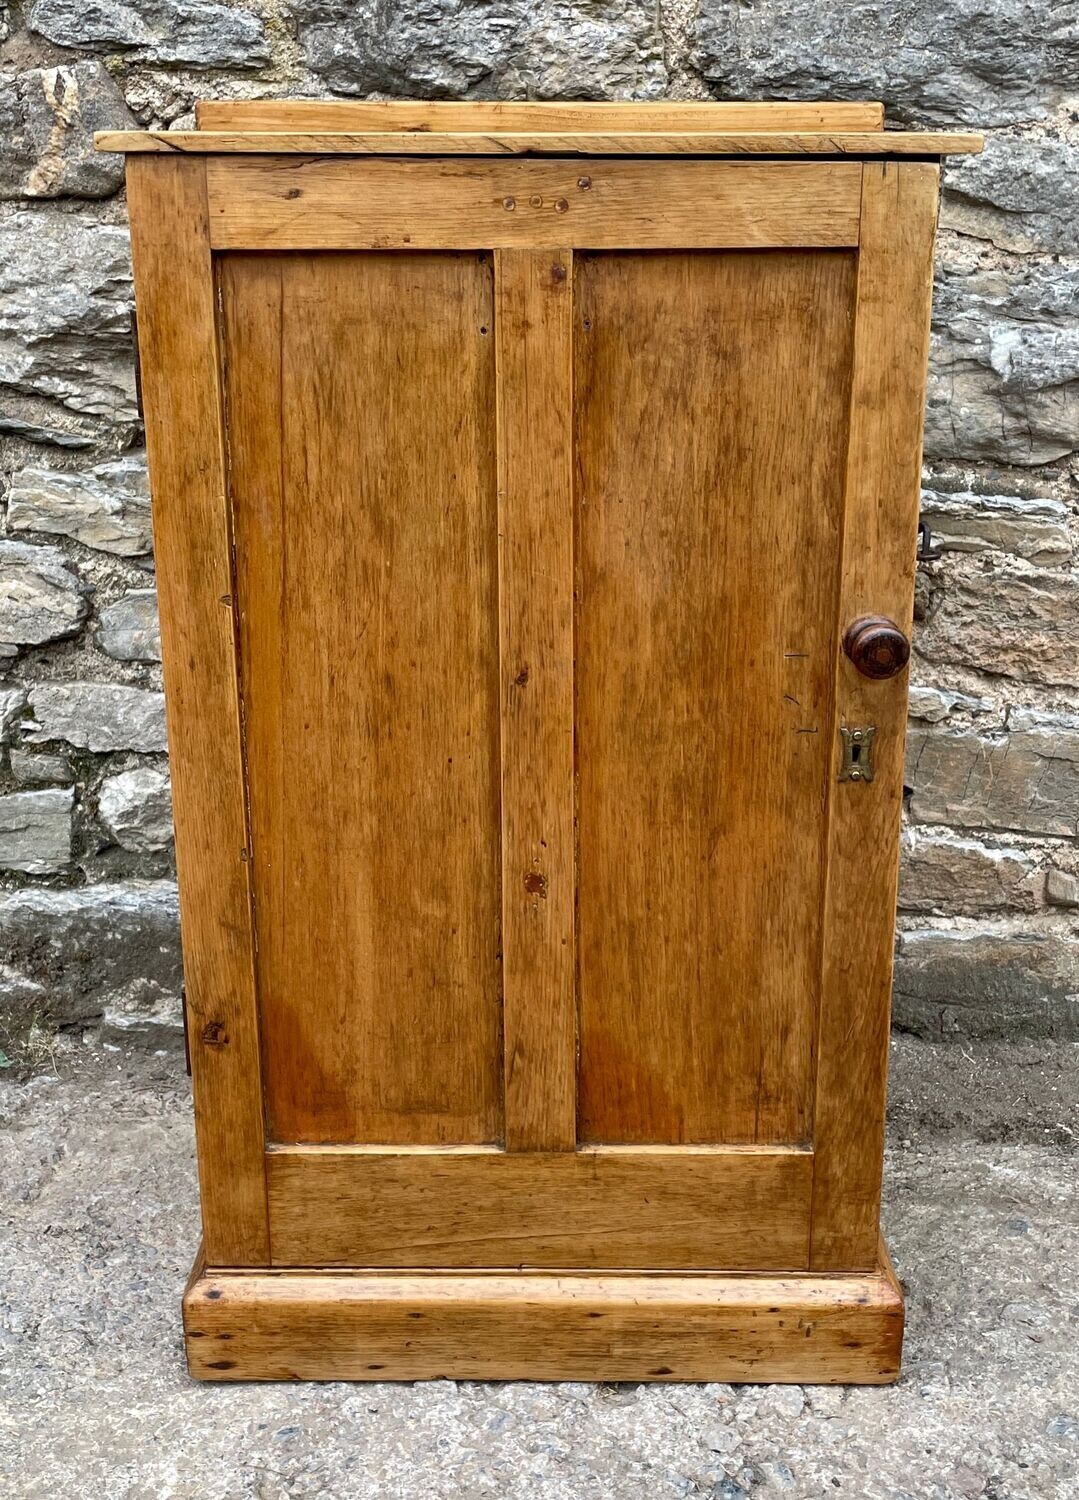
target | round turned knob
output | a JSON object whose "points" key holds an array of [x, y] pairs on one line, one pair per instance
{"points": [[876, 646]]}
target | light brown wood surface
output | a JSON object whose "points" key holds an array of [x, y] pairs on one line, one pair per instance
{"points": [[730, 1209], [895, 276], [263, 203], [892, 143], [534, 329], [711, 433], [192, 545], [296, 1326], [531, 115], [360, 400], [509, 516]]}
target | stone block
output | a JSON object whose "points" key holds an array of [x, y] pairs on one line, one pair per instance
{"points": [[75, 439], [1019, 194], [956, 877], [136, 808], [97, 949], [932, 704], [12, 703], [444, 49], [41, 596], [979, 62], [1062, 888], [37, 768], [23, 1002], [194, 33], [129, 629], [65, 312], [47, 120], [96, 716], [1024, 778], [1012, 624], [1035, 530], [1004, 365], [35, 831], [106, 507], [986, 983]]}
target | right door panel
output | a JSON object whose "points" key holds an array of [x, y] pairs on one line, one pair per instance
{"points": [[712, 396]]}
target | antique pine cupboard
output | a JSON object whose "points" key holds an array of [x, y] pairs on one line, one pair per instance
{"points": [[535, 494]]}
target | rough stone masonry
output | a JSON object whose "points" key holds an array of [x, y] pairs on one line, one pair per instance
{"points": [[989, 926]]}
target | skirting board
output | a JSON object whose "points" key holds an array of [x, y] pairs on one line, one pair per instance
{"points": [[499, 1325]]}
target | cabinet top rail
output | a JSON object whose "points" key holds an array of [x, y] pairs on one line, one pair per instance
{"points": [[547, 143]]}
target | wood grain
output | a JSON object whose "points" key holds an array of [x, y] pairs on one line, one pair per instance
{"points": [[895, 271], [534, 325], [296, 1326], [192, 545], [361, 431], [530, 115], [891, 143], [711, 433], [529, 513], [267, 203], [592, 1208]]}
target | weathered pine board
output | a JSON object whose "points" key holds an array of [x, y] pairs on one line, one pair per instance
{"points": [[731, 1209], [359, 1326], [711, 434], [192, 545], [892, 143], [361, 397], [267, 203], [534, 330], [530, 115], [883, 472]]}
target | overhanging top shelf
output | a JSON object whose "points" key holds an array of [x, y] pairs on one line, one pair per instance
{"points": [[544, 143], [401, 128]]}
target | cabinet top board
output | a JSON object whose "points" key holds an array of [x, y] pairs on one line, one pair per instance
{"points": [[313, 127], [540, 143]]}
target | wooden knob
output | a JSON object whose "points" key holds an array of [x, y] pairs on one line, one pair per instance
{"points": [[876, 646]]}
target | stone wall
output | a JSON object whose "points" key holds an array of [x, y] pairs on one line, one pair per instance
{"points": [[989, 928]]}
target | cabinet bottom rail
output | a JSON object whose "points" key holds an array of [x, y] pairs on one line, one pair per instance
{"points": [[799, 1327]]}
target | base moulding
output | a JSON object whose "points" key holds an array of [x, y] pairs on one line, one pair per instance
{"points": [[355, 1324]]}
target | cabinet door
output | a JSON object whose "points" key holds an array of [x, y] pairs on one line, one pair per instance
{"points": [[509, 515]]}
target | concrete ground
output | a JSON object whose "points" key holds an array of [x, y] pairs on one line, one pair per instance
{"points": [[100, 1222]]}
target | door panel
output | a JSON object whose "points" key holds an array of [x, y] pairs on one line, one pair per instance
{"points": [[712, 394], [360, 406]]}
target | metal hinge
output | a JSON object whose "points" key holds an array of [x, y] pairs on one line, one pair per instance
{"points": [[926, 551], [857, 752], [138, 370], [187, 1034]]}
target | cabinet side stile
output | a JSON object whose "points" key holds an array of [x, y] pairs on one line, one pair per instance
{"points": [[181, 377], [890, 354]]}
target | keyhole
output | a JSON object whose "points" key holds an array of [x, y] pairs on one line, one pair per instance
{"points": [[856, 755]]}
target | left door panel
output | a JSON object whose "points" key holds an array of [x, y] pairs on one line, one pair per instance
{"points": [[359, 405]]}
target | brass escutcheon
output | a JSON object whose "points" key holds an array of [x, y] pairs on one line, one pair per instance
{"points": [[857, 752]]}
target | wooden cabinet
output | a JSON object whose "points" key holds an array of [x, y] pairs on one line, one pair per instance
{"points": [[518, 474]]}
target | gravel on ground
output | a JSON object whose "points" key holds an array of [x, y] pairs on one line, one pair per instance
{"points": [[100, 1221]]}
